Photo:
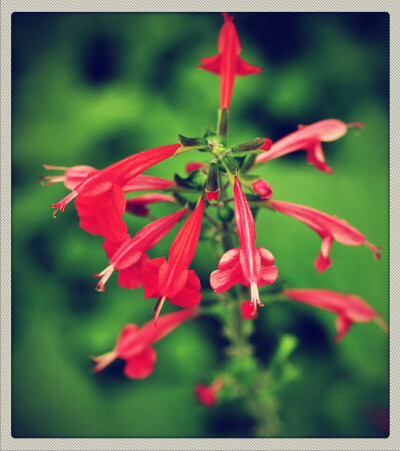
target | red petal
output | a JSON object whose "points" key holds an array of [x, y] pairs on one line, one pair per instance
{"points": [[186, 298], [152, 233], [223, 280], [243, 68], [131, 277], [150, 277], [101, 214], [266, 256], [268, 275], [166, 324], [211, 64], [129, 331], [230, 258], [247, 310], [322, 263], [76, 175], [147, 182], [315, 156], [141, 365], [111, 247], [249, 258], [205, 395], [173, 275], [190, 167], [193, 282], [343, 325]]}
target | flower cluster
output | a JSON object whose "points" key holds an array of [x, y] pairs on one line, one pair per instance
{"points": [[101, 203]]}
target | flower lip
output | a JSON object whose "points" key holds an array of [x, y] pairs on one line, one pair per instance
{"points": [[134, 344], [348, 308], [309, 138], [328, 227]]}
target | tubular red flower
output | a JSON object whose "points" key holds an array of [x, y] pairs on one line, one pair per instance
{"points": [[128, 257], [328, 227], [248, 266], [227, 63], [208, 394], [138, 205], [348, 307], [172, 279], [134, 344], [309, 138], [100, 199]]}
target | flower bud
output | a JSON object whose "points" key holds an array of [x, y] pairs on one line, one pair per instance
{"points": [[230, 165], [252, 146], [213, 183], [262, 188], [192, 142]]}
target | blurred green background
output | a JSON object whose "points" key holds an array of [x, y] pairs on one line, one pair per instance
{"points": [[94, 88]]}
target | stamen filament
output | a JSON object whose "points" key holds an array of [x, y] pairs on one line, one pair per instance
{"points": [[157, 309], [382, 324], [63, 202], [255, 297], [51, 179], [105, 275], [55, 168], [103, 360]]}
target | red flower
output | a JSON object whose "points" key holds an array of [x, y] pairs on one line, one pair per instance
{"points": [[247, 265], [328, 227], [100, 199], [309, 138], [262, 188], [172, 279], [138, 205], [227, 62], [349, 308], [208, 395], [128, 255], [134, 344]]}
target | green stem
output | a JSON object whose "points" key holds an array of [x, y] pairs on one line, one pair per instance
{"points": [[212, 221]]}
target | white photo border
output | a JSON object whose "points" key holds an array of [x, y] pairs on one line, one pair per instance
{"points": [[8, 7]]}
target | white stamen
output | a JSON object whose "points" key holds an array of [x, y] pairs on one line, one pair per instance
{"points": [[105, 275], [157, 309], [255, 297]]}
